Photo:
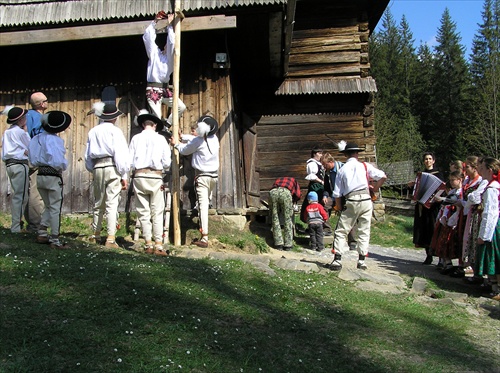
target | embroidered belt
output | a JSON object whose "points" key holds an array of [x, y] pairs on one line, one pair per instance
{"points": [[48, 171], [11, 161]]}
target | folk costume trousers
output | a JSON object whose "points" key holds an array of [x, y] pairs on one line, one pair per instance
{"points": [[204, 185], [150, 205], [107, 188], [50, 188], [358, 211], [281, 203], [19, 181], [157, 96]]}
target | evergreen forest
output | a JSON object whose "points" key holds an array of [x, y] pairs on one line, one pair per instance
{"points": [[436, 98]]}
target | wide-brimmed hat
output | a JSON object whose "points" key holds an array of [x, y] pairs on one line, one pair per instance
{"points": [[349, 147], [55, 121], [106, 111], [145, 115], [203, 122], [14, 113]]}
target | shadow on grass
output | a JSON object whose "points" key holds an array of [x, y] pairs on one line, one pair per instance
{"points": [[98, 310]]}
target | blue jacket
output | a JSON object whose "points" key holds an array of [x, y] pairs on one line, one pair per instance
{"points": [[330, 180]]}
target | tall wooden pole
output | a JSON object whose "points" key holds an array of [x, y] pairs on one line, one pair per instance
{"points": [[175, 129]]}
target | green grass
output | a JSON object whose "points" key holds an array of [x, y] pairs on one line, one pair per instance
{"points": [[90, 309], [395, 231]]}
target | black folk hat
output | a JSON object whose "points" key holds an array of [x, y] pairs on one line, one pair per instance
{"points": [[55, 121], [211, 122], [106, 111], [14, 113], [145, 115]]}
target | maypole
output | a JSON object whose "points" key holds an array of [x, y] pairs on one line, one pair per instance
{"points": [[175, 127]]}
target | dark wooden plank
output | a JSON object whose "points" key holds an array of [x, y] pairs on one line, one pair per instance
{"points": [[109, 30], [325, 40], [325, 48], [326, 70], [311, 33], [305, 118], [324, 58]]}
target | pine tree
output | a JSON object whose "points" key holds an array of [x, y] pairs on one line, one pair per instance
{"points": [[450, 94], [485, 70], [421, 94], [393, 64]]}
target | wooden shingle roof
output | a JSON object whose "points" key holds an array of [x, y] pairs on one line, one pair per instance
{"points": [[16, 13], [326, 86]]}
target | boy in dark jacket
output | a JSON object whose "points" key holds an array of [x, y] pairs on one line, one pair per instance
{"points": [[315, 215]]}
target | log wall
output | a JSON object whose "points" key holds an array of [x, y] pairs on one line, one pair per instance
{"points": [[284, 143]]}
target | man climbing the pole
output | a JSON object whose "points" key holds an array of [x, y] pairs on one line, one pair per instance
{"points": [[160, 67]]}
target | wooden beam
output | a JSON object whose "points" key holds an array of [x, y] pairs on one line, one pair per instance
{"points": [[109, 30], [290, 20]]}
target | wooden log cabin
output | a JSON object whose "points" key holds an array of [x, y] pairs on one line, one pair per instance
{"points": [[297, 74]]}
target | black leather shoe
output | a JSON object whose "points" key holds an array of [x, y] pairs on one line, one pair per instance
{"points": [[287, 248], [458, 273], [428, 260], [447, 270]]}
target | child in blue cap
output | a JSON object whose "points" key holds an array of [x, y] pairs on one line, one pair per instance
{"points": [[315, 215]]}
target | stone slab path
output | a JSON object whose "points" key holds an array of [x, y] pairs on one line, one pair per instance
{"points": [[390, 270]]}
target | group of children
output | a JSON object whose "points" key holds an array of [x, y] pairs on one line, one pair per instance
{"points": [[468, 227]]}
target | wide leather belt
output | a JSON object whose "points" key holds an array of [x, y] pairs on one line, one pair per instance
{"points": [[148, 171], [157, 85], [103, 162], [9, 162], [48, 171], [357, 193]]}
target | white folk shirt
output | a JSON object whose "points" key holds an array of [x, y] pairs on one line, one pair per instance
{"points": [[352, 177], [15, 142], [205, 153], [47, 149], [148, 149], [160, 65], [107, 140], [489, 218]]}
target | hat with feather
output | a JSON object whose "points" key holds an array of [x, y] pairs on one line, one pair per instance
{"points": [[207, 126], [55, 121], [345, 147], [105, 111], [14, 113], [145, 115]]}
